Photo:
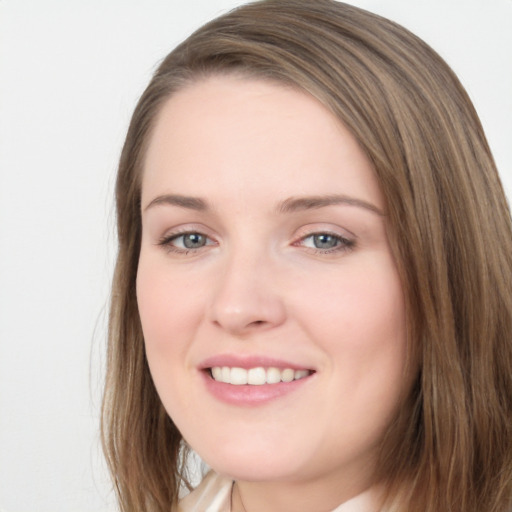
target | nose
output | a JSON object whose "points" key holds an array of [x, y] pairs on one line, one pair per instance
{"points": [[248, 296]]}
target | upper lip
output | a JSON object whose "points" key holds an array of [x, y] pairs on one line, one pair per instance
{"points": [[249, 361]]}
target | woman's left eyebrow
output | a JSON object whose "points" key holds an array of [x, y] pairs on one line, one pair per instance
{"points": [[293, 204]]}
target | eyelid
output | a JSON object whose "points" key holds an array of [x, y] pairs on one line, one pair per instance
{"points": [[343, 242], [177, 236], [347, 240], [325, 227], [183, 229], [174, 233]]}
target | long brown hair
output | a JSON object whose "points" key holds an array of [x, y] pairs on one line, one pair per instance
{"points": [[449, 447]]}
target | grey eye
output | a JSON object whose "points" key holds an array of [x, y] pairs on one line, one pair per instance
{"points": [[325, 241], [193, 240]]}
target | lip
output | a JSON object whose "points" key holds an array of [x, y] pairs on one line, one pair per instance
{"points": [[247, 395], [248, 362]]}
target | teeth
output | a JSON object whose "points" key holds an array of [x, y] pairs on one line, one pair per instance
{"points": [[287, 375], [238, 376], [273, 376], [217, 373], [256, 376]]}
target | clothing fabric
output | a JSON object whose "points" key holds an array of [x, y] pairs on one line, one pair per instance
{"points": [[213, 494]]}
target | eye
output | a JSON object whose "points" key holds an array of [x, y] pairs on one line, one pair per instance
{"points": [[326, 242], [190, 240], [185, 242], [323, 241]]}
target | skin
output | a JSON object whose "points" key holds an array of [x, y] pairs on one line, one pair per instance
{"points": [[261, 286]]}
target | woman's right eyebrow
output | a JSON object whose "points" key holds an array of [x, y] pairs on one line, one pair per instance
{"points": [[188, 202]]}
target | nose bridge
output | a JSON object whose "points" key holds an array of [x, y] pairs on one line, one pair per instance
{"points": [[247, 294]]}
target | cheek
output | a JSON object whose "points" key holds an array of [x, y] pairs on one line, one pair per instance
{"points": [[154, 304], [358, 318], [167, 308], [364, 306]]}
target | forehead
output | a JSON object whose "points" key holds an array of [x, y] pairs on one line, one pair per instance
{"points": [[225, 135]]}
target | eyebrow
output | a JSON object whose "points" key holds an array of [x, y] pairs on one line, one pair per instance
{"points": [[290, 205], [294, 204], [188, 202]]}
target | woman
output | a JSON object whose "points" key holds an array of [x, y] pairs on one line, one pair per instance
{"points": [[313, 286]]}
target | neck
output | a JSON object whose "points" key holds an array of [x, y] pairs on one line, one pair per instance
{"points": [[292, 497]]}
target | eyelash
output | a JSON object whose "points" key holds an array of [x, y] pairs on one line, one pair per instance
{"points": [[342, 244], [167, 242]]}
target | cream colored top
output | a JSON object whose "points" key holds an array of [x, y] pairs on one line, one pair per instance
{"points": [[213, 494]]}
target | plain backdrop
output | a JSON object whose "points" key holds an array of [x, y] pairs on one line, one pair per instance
{"points": [[70, 74]]}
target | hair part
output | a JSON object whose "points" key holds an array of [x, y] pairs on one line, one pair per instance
{"points": [[450, 444]]}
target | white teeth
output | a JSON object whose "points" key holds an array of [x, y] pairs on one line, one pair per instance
{"points": [[287, 375], [273, 376], [300, 374], [238, 376], [256, 376], [217, 373]]}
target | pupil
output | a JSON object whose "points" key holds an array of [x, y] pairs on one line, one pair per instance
{"points": [[325, 241], [193, 240]]}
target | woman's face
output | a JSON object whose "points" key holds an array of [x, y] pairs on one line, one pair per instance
{"points": [[272, 311]]}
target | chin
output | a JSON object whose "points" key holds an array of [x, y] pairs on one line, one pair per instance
{"points": [[253, 465]]}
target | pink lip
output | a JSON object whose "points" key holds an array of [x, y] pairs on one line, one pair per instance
{"points": [[248, 362], [247, 395]]}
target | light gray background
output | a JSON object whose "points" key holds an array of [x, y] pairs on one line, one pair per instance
{"points": [[70, 73]]}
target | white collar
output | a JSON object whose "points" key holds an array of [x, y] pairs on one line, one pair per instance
{"points": [[213, 494]]}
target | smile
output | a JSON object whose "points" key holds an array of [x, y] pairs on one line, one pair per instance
{"points": [[256, 376]]}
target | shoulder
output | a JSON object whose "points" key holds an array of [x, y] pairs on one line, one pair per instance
{"points": [[213, 494]]}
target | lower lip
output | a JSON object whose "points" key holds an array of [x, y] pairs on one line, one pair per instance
{"points": [[250, 395]]}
